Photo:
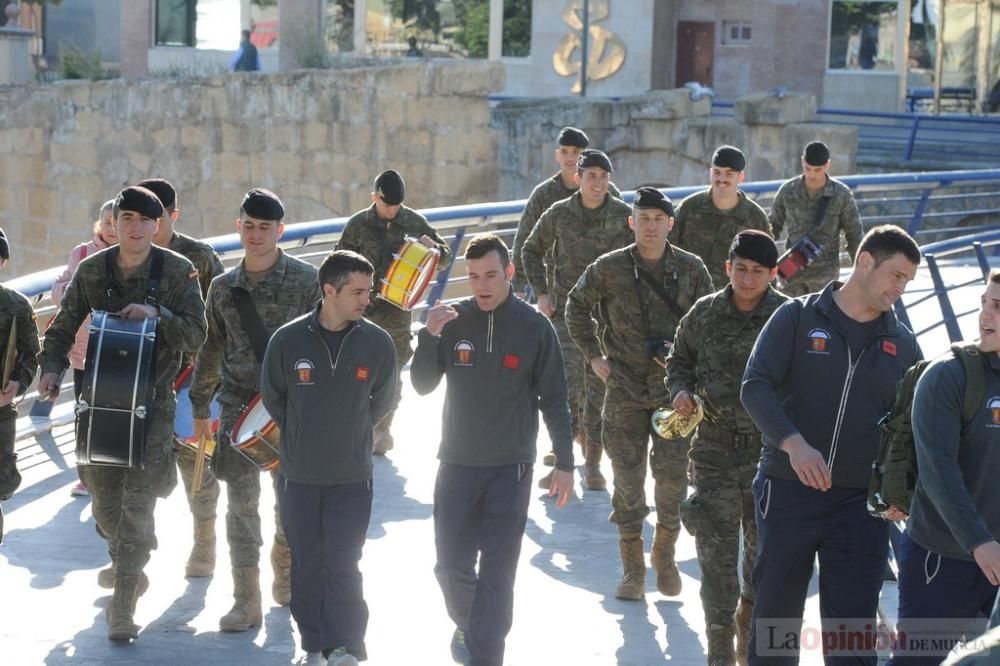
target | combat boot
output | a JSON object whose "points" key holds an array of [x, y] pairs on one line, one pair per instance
{"points": [[592, 476], [106, 577], [121, 626], [281, 565], [246, 612], [720, 646], [668, 578], [383, 437], [201, 562], [546, 480], [633, 583], [744, 620]]}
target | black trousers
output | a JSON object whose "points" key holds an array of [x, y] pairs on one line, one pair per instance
{"points": [[795, 524], [480, 511], [326, 528]]}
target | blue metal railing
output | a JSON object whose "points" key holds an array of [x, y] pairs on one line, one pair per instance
{"points": [[913, 136]]}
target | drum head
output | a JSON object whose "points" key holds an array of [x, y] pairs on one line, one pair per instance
{"points": [[254, 420]]}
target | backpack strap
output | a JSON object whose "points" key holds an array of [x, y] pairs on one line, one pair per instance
{"points": [[152, 282], [250, 321], [973, 361]]}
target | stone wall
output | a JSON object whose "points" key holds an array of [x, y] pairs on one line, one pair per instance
{"points": [[665, 138], [317, 138]]}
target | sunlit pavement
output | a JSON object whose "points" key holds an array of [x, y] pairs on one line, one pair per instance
{"points": [[52, 611]]}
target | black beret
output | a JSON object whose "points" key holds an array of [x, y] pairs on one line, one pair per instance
{"points": [[571, 136], [816, 154], [729, 157], [755, 245], [163, 190], [593, 158], [390, 188], [650, 197], [138, 199], [263, 205], [4, 246]]}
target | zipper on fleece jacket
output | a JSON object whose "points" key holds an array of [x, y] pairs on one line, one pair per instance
{"points": [[852, 365], [489, 333], [333, 363]]}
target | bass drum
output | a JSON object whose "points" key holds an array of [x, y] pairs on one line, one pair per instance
{"points": [[115, 407]]}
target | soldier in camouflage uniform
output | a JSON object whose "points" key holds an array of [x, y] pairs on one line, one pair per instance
{"points": [[708, 220], [708, 358], [15, 310], [568, 237], [124, 498], [795, 210], [639, 293], [376, 233], [201, 561], [281, 288], [571, 143]]}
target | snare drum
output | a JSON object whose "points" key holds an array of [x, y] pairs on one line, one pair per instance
{"points": [[255, 436], [409, 274], [184, 416]]}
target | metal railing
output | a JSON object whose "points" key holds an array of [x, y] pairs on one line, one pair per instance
{"points": [[913, 137]]}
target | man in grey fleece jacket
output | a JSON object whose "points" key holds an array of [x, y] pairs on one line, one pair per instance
{"points": [[327, 378], [503, 363], [949, 558]]}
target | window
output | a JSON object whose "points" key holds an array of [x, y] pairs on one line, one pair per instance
{"points": [[339, 26], [863, 35], [433, 28], [736, 33], [175, 21], [516, 28]]}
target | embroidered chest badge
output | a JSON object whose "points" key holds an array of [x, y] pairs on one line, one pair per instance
{"points": [[819, 340], [889, 347], [304, 369], [511, 362], [361, 373], [994, 406], [464, 354]]}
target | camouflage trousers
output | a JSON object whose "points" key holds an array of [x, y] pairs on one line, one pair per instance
{"points": [[585, 389], [123, 499], [397, 324], [10, 478], [626, 435], [722, 503], [242, 480], [203, 503]]}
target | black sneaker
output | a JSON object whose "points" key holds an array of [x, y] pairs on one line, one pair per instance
{"points": [[459, 652]]}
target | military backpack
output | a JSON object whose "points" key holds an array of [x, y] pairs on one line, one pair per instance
{"points": [[894, 472]]}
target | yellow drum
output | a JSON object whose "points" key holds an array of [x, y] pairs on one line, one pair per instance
{"points": [[409, 274], [256, 436]]}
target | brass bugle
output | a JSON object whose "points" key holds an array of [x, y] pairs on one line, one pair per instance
{"points": [[671, 424]]}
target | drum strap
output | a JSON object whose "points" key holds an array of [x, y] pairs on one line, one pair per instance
{"points": [[155, 273], [250, 321]]}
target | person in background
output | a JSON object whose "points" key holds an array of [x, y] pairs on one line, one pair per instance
{"points": [[246, 58]]}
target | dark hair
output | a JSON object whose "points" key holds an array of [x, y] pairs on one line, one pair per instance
{"points": [[336, 269], [885, 241], [245, 34], [483, 244]]}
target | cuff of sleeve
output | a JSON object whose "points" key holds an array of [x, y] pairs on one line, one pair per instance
{"points": [[166, 316], [200, 412], [591, 350], [564, 468], [980, 536], [776, 444], [425, 337]]}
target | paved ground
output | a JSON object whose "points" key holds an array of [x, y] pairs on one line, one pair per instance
{"points": [[51, 610]]}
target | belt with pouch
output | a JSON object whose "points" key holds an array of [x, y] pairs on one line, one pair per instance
{"points": [[738, 440]]}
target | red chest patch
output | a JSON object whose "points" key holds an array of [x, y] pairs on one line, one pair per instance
{"points": [[511, 362], [361, 373], [889, 347]]}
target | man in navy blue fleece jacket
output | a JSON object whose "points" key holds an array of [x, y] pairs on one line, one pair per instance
{"points": [[823, 371], [504, 365], [949, 558]]}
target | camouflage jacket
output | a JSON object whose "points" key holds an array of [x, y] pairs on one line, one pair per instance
{"points": [[204, 258], [542, 197], [710, 353], [563, 243], [376, 240], [631, 313], [289, 290], [705, 230], [15, 307], [794, 211], [181, 328]]}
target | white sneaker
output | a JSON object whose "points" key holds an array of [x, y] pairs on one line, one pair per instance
{"points": [[341, 657], [79, 490]]}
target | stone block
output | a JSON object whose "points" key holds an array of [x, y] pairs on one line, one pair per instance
{"points": [[316, 136], [286, 167], [768, 109], [466, 77], [29, 141]]}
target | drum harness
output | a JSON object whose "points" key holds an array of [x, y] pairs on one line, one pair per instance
{"points": [[253, 326]]}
